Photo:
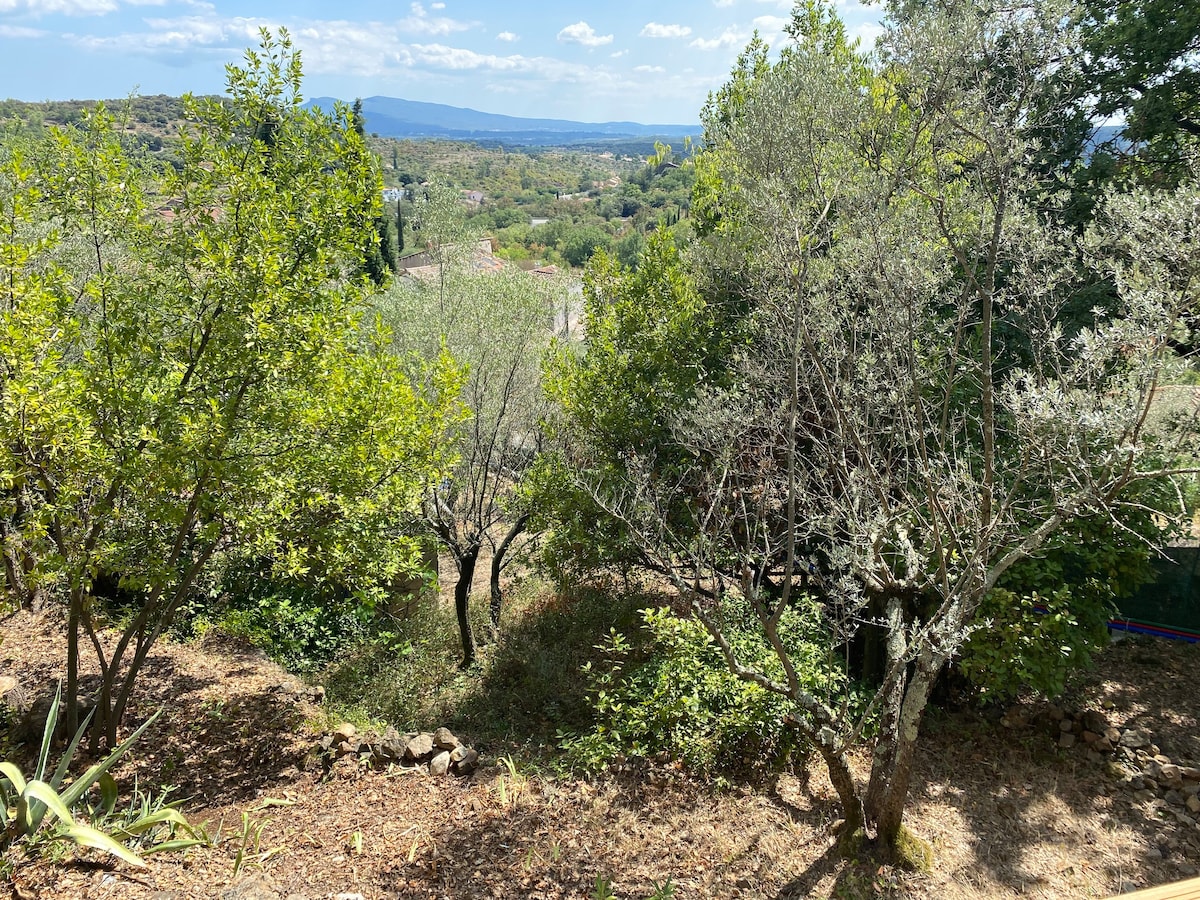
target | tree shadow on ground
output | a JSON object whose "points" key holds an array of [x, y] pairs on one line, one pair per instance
{"points": [[213, 742], [532, 684], [1040, 815], [630, 836]]}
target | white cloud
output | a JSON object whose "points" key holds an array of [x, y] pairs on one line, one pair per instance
{"points": [[437, 5], [385, 55], [730, 37], [770, 25], [721, 4], [420, 22], [172, 36], [19, 32], [507, 36], [655, 30], [649, 69], [60, 7], [583, 33], [868, 33]]}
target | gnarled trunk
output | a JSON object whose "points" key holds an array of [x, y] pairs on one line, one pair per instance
{"points": [[895, 749], [466, 560], [498, 557], [848, 792]]}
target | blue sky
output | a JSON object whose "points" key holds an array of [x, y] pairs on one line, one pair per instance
{"points": [[594, 61]]}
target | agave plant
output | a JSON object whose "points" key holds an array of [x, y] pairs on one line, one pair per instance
{"points": [[39, 808]]}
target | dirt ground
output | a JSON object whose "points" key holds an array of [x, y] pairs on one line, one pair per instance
{"points": [[1007, 812]]}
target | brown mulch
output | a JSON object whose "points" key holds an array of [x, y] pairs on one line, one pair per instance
{"points": [[1007, 813]]}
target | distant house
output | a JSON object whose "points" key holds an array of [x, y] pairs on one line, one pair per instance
{"points": [[473, 197], [393, 195], [535, 222]]}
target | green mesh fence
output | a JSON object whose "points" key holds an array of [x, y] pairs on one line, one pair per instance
{"points": [[1170, 604]]}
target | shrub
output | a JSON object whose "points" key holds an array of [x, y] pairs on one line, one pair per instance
{"points": [[1048, 617], [301, 624], [1033, 643], [681, 698]]}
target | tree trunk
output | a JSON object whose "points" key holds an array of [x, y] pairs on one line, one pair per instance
{"points": [[498, 556], [843, 782], [74, 614], [895, 752], [462, 594]]}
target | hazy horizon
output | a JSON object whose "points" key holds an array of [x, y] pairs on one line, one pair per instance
{"points": [[568, 60]]}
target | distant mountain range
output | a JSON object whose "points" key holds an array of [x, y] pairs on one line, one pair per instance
{"points": [[393, 117]]}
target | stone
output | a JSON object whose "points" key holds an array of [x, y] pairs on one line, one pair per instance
{"points": [[256, 886], [1134, 739], [391, 744], [345, 748], [1190, 773], [345, 731], [1014, 717], [1065, 725], [467, 763], [1066, 740], [1095, 721], [1112, 735], [1174, 798], [444, 739], [1171, 776], [440, 764], [1089, 737], [419, 746], [1193, 804]]}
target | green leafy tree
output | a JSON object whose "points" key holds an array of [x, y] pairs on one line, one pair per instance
{"points": [[180, 388], [578, 245], [1140, 64], [382, 250]]}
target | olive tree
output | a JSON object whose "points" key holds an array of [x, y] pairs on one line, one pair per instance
{"points": [[872, 444], [498, 326]]}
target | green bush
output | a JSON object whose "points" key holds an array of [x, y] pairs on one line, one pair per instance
{"points": [[681, 699], [1077, 581], [301, 622], [1024, 648]]}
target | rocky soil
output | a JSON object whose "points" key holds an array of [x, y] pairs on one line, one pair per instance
{"points": [[1090, 797]]}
